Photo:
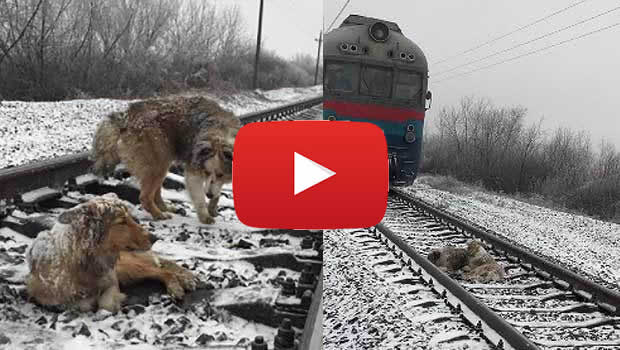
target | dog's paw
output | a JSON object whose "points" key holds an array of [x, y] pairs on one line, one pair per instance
{"points": [[187, 280], [162, 216], [170, 208], [175, 290], [120, 298], [112, 304], [205, 217]]}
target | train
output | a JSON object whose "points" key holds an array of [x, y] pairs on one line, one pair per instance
{"points": [[373, 73]]}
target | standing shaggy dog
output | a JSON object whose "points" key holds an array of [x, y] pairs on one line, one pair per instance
{"points": [[73, 264], [153, 134]]}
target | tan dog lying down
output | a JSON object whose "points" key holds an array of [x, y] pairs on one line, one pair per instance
{"points": [[90, 250], [478, 265]]}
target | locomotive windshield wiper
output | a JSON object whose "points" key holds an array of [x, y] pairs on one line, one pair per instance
{"points": [[364, 80]]}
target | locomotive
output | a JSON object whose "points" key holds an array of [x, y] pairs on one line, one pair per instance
{"points": [[373, 73]]}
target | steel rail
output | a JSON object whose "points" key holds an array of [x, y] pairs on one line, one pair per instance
{"points": [[312, 336], [492, 321], [605, 298], [54, 172]]}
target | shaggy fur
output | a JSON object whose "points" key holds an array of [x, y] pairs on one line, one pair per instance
{"points": [[94, 248], [449, 259], [481, 266], [153, 134], [73, 263], [477, 264]]}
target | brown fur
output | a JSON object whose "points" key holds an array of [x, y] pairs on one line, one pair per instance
{"points": [[134, 267], [482, 267], [153, 134], [449, 258], [73, 264], [478, 265], [89, 277]]}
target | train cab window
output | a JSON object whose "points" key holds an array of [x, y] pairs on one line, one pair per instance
{"points": [[376, 81], [339, 77], [408, 85]]}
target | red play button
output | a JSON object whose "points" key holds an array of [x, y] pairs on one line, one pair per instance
{"points": [[310, 174]]}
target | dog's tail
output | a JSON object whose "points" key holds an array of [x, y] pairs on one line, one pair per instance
{"points": [[104, 152]]}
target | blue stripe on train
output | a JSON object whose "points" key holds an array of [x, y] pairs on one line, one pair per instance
{"points": [[394, 131], [394, 134]]}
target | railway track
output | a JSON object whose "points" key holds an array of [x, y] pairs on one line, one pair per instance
{"points": [[259, 283], [539, 305]]}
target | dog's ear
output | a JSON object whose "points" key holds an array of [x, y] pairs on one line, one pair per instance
{"points": [[473, 245], [92, 220], [71, 215], [110, 195]]}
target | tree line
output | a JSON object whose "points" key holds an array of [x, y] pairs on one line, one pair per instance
{"points": [[58, 49], [479, 142]]}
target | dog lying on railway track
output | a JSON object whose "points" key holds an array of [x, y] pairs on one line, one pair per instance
{"points": [[477, 264], [153, 134], [481, 266], [93, 248], [449, 258]]}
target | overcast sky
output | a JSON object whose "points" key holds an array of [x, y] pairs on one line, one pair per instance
{"points": [[289, 26], [576, 85]]}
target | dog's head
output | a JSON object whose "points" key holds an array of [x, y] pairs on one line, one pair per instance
{"points": [[434, 256], [214, 154], [473, 248], [103, 224]]}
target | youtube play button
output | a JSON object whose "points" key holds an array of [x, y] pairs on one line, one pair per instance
{"points": [[310, 174]]}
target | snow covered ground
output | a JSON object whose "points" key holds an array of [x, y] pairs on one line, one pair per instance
{"points": [[210, 251], [582, 244], [31, 131], [365, 309]]}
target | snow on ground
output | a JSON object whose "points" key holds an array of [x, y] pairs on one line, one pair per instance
{"points": [[364, 309], [580, 243], [31, 131], [210, 251]]}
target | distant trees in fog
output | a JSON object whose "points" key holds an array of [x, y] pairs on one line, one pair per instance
{"points": [[55, 49], [482, 143]]}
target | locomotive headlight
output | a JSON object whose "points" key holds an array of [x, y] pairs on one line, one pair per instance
{"points": [[379, 31], [410, 134], [331, 118]]}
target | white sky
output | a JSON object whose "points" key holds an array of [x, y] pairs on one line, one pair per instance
{"points": [[289, 26], [575, 85]]}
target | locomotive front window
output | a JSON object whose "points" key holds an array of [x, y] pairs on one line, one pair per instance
{"points": [[408, 85], [376, 81], [339, 77]]}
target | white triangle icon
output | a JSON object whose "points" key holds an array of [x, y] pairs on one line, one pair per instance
{"points": [[309, 173]]}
